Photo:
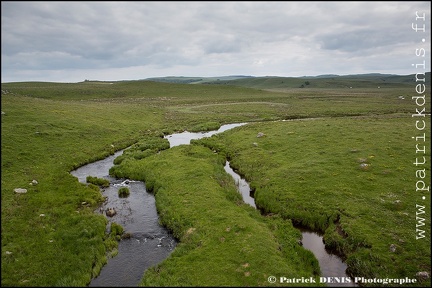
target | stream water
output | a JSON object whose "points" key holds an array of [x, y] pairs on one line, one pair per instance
{"points": [[185, 137], [242, 185], [150, 243]]}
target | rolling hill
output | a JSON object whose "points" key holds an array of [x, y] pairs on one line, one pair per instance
{"points": [[371, 80]]}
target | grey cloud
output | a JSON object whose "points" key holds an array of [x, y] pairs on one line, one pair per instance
{"points": [[359, 40], [236, 35]]}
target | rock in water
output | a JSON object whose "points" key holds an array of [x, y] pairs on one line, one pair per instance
{"points": [[110, 212]]}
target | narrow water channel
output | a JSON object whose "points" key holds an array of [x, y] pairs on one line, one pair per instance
{"points": [[330, 264], [242, 185]]}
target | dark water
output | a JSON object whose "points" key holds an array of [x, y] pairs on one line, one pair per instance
{"points": [[330, 264], [150, 243]]}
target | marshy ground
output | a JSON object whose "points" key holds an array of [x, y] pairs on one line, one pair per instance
{"points": [[348, 173]]}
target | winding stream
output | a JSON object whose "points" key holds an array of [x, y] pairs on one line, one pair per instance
{"points": [[330, 264], [150, 243]]}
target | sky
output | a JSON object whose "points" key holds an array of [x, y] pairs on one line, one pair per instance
{"points": [[73, 41]]}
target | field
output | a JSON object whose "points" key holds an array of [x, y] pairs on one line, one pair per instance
{"points": [[341, 163]]}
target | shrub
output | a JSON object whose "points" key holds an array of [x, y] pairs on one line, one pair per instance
{"points": [[116, 230], [123, 192], [208, 126], [97, 181], [94, 187]]}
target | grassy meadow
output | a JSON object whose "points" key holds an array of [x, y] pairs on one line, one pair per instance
{"points": [[313, 172], [306, 171]]}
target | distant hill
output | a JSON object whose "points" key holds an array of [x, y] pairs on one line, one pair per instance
{"points": [[195, 80], [320, 81]]}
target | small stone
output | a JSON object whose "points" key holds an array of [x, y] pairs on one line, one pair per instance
{"points": [[127, 236], [34, 182], [393, 248], [255, 144], [423, 275], [260, 134], [190, 230], [20, 190], [42, 215], [8, 253], [364, 166], [110, 212]]}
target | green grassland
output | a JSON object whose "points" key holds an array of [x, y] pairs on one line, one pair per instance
{"points": [[222, 241], [309, 172], [195, 80], [304, 171]]}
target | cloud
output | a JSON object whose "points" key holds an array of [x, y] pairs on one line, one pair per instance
{"points": [[205, 38], [359, 40]]}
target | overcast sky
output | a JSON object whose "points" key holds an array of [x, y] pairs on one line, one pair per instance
{"points": [[120, 40]]}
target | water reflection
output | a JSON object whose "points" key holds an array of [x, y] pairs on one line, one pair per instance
{"points": [[242, 185], [330, 264], [185, 137]]}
